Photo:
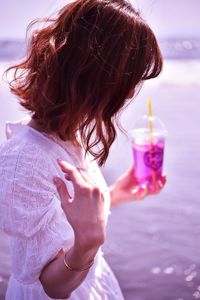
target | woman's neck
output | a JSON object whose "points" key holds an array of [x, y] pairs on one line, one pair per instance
{"points": [[34, 124]]}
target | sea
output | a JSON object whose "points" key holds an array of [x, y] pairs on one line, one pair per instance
{"points": [[153, 245]]}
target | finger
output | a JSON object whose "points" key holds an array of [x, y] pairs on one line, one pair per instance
{"points": [[62, 191], [163, 179], [131, 173], [72, 174], [85, 176], [131, 169], [129, 176], [157, 186], [140, 192], [161, 182]]}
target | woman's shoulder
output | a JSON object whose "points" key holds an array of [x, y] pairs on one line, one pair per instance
{"points": [[25, 169], [27, 146], [16, 148], [22, 154]]}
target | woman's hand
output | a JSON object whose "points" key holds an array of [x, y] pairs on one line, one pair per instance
{"points": [[85, 211], [126, 189]]}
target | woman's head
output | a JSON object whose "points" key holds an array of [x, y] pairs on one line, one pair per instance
{"points": [[81, 68]]}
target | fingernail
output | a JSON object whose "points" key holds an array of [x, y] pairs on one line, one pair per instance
{"points": [[143, 188], [63, 163], [60, 161]]}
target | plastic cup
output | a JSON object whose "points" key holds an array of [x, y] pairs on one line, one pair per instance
{"points": [[148, 149]]}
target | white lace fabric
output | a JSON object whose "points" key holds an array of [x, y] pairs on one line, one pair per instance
{"points": [[30, 212]]}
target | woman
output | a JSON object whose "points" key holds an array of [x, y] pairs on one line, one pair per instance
{"points": [[80, 70]]}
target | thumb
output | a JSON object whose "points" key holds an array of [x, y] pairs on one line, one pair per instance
{"points": [[131, 175], [62, 191]]}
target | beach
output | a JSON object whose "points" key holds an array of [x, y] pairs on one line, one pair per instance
{"points": [[152, 245]]}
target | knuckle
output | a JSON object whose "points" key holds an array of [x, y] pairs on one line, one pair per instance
{"points": [[98, 238], [102, 239], [96, 190], [85, 190]]}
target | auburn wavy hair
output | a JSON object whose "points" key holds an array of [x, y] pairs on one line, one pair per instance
{"points": [[81, 67]]}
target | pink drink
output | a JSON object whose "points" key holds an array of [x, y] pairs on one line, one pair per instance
{"points": [[148, 160]]}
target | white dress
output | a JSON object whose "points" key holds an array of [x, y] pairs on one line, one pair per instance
{"points": [[31, 214]]}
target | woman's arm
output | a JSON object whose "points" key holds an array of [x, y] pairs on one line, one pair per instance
{"points": [[85, 213], [60, 282], [126, 189]]}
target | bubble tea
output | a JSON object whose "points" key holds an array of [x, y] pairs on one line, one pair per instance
{"points": [[148, 142]]}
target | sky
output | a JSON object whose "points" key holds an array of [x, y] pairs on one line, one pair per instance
{"points": [[168, 18]]}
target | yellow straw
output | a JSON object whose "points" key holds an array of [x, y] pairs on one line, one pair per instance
{"points": [[151, 135]]}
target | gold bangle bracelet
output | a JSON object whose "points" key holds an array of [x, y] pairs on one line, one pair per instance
{"points": [[77, 269]]}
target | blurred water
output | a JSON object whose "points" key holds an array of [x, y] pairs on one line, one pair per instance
{"points": [[153, 245], [172, 48]]}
